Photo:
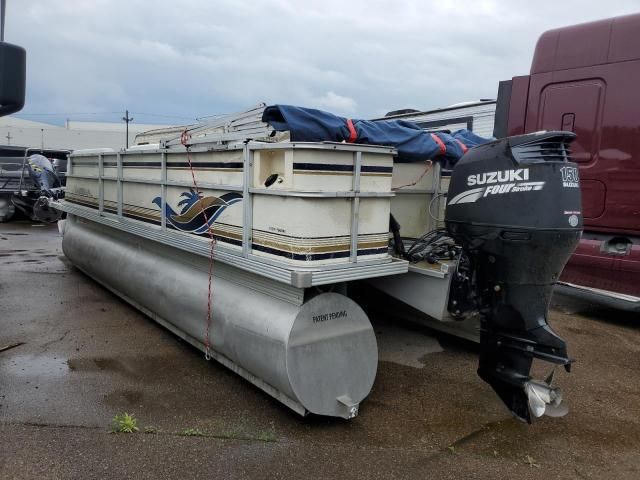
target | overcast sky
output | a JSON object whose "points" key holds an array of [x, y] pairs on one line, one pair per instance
{"points": [[191, 58]]}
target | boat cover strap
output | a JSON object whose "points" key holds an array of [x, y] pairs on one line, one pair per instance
{"points": [[440, 143], [353, 134], [412, 142]]}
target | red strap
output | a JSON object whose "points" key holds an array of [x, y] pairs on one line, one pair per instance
{"points": [[443, 148], [184, 139], [462, 146], [352, 131]]}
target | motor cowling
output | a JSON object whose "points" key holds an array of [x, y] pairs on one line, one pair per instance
{"points": [[515, 207]]}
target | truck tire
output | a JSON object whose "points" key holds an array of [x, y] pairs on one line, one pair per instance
{"points": [[6, 209]]}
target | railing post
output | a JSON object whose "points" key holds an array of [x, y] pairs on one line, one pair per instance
{"points": [[163, 191], [100, 184], [69, 165], [436, 195], [247, 204], [119, 185], [355, 206]]}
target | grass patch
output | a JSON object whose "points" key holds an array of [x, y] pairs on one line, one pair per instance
{"points": [[150, 430], [124, 423], [263, 436], [192, 432], [234, 434], [266, 436]]}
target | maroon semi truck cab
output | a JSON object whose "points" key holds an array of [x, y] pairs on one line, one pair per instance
{"points": [[586, 79]]}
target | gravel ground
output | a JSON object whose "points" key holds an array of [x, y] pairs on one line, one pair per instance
{"points": [[87, 356]]}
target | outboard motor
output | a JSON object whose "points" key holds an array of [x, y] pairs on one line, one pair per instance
{"points": [[514, 206], [35, 202]]}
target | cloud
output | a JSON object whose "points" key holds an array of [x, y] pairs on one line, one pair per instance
{"points": [[195, 58], [335, 103]]}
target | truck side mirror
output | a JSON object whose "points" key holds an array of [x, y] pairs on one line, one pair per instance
{"points": [[13, 74]]}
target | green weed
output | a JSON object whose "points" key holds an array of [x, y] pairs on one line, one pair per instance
{"points": [[124, 423]]}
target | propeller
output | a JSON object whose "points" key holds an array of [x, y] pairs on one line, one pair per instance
{"points": [[44, 213], [545, 399]]}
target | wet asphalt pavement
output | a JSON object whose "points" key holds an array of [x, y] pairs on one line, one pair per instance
{"points": [[87, 356]]}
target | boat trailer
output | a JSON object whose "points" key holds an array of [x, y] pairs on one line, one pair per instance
{"points": [[246, 245]]}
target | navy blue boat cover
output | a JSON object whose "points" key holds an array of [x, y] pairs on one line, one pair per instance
{"points": [[413, 143]]}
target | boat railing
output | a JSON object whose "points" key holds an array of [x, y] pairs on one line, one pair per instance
{"points": [[296, 275]]}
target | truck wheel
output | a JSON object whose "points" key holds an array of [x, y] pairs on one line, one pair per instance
{"points": [[6, 209]]}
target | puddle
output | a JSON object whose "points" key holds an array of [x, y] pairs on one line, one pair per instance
{"points": [[142, 367], [95, 365], [34, 365], [404, 346], [124, 397], [8, 253]]}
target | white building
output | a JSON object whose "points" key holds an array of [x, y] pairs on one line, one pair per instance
{"points": [[72, 136]]}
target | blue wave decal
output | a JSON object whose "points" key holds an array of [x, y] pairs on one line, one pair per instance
{"points": [[198, 213]]}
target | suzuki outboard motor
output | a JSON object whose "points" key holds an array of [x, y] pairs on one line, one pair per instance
{"points": [[514, 206]]}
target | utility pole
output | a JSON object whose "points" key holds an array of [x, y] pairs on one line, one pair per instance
{"points": [[127, 120], [8, 138], [42, 139]]}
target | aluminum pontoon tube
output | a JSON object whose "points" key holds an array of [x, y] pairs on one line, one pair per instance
{"points": [[316, 354]]}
